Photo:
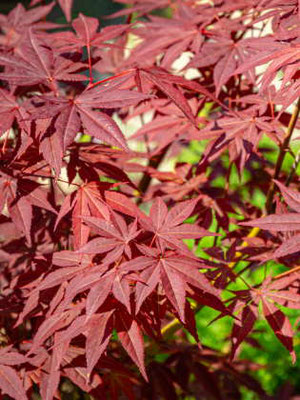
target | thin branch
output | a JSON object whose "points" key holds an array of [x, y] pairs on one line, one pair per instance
{"points": [[286, 273], [154, 162], [293, 169], [281, 156]]}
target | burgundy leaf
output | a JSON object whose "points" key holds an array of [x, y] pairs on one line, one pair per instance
{"points": [[11, 384], [96, 344], [130, 336], [281, 223], [291, 197], [280, 325], [243, 327], [66, 6]]}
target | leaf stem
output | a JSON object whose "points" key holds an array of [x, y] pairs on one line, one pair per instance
{"points": [[56, 179], [110, 78], [90, 62]]}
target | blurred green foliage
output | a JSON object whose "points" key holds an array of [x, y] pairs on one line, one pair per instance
{"points": [[276, 366]]}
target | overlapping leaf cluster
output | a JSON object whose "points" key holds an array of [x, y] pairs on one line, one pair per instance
{"points": [[101, 253]]}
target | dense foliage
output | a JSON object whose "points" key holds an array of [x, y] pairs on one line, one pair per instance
{"points": [[148, 174]]}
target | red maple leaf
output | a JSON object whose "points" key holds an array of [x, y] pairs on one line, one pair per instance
{"points": [[287, 222]]}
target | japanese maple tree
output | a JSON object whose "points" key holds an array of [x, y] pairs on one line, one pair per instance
{"points": [[149, 171]]}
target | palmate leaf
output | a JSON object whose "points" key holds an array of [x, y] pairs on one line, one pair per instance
{"points": [[171, 86], [226, 54], [168, 126], [174, 274], [88, 281], [287, 54], [283, 222], [185, 33], [240, 133], [37, 63], [99, 280], [87, 201], [86, 33], [168, 227], [51, 325], [16, 23], [270, 294], [115, 237], [160, 79], [71, 265], [67, 116]]}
